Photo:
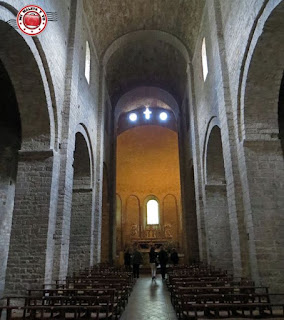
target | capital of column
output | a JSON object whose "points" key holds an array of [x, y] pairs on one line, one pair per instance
{"points": [[188, 68]]}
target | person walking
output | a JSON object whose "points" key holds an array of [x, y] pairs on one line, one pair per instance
{"points": [[163, 259], [153, 261], [136, 261], [127, 260], [174, 257]]}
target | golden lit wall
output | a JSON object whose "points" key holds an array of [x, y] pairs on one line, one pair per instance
{"points": [[148, 165]]}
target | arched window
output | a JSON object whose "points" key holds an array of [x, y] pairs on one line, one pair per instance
{"points": [[152, 212], [88, 62], [204, 60]]}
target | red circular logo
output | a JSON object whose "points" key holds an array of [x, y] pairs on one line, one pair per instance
{"points": [[32, 20]]}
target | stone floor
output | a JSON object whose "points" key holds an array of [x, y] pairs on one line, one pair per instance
{"points": [[149, 300]]}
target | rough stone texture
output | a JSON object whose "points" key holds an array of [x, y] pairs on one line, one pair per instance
{"points": [[217, 217], [26, 262], [218, 233], [105, 250], [80, 230], [265, 166], [81, 213], [230, 47], [112, 19]]}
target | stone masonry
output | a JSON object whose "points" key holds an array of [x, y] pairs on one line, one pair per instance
{"points": [[58, 132]]}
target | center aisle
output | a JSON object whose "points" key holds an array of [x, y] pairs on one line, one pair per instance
{"points": [[149, 300]]}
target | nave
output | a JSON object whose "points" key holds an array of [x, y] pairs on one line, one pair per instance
{"points": [[197, 291], [149, 300], [130, 123]]}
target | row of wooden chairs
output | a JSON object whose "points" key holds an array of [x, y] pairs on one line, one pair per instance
{"points": [[98, 293], [215, 293]]}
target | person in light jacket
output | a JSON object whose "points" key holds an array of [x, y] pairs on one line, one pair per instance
{"points": [[153, 261]]}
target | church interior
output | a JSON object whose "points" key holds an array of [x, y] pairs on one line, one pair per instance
{"points": [[136, 123]]}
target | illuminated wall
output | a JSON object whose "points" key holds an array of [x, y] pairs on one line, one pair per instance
{"points": [[148, 168]]}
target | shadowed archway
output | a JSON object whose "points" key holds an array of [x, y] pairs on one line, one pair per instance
{"points": [[81, 214]]}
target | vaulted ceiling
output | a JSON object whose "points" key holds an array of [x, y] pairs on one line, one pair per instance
{"points": [[141, 63]]}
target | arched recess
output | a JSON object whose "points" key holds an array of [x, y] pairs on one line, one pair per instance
{"points": [[106, 252], [81, 212], [26, 157], [217, 215], [261, 113], [143, 95], [145, 211], [171, 218], [119, 234], [141, 58], [132, 220]]}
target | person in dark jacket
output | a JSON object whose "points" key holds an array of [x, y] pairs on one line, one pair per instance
{"points": [[163, 259], [174, 257], [153, 261], [127, 260], [136, 261]]}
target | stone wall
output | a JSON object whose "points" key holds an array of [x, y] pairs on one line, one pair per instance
{"points": [[54, 103], [40, 200], [241, 95]]}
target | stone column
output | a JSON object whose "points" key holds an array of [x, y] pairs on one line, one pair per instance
{"points": [[97, 219], [80, 230], [28, 244], [197, 166], [66, 149], [8, 169], [265, 177], [239, 241]]}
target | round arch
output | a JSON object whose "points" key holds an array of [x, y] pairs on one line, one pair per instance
{"points": [[82, 163], [26, 70], [22, 62], [132, 218], [145, 209], [146, 93], [81, 128], [171, 222], [259, 94], [259, 121], [149, 36], [213, 162], [81, 211], [216, 204]]}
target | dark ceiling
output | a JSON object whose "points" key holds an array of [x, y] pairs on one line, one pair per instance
{"points": [[144, 63]]}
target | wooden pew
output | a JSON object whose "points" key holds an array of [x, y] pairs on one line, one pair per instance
{"points": [[50, 312]]}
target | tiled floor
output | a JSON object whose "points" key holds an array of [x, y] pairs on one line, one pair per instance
{"points": [[149, 300]]}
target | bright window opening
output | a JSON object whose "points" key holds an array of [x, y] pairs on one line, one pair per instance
{"points": [[204, 59], [147, 113], [152, 212], [88, 62], [133, 117], [163, 116]]}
